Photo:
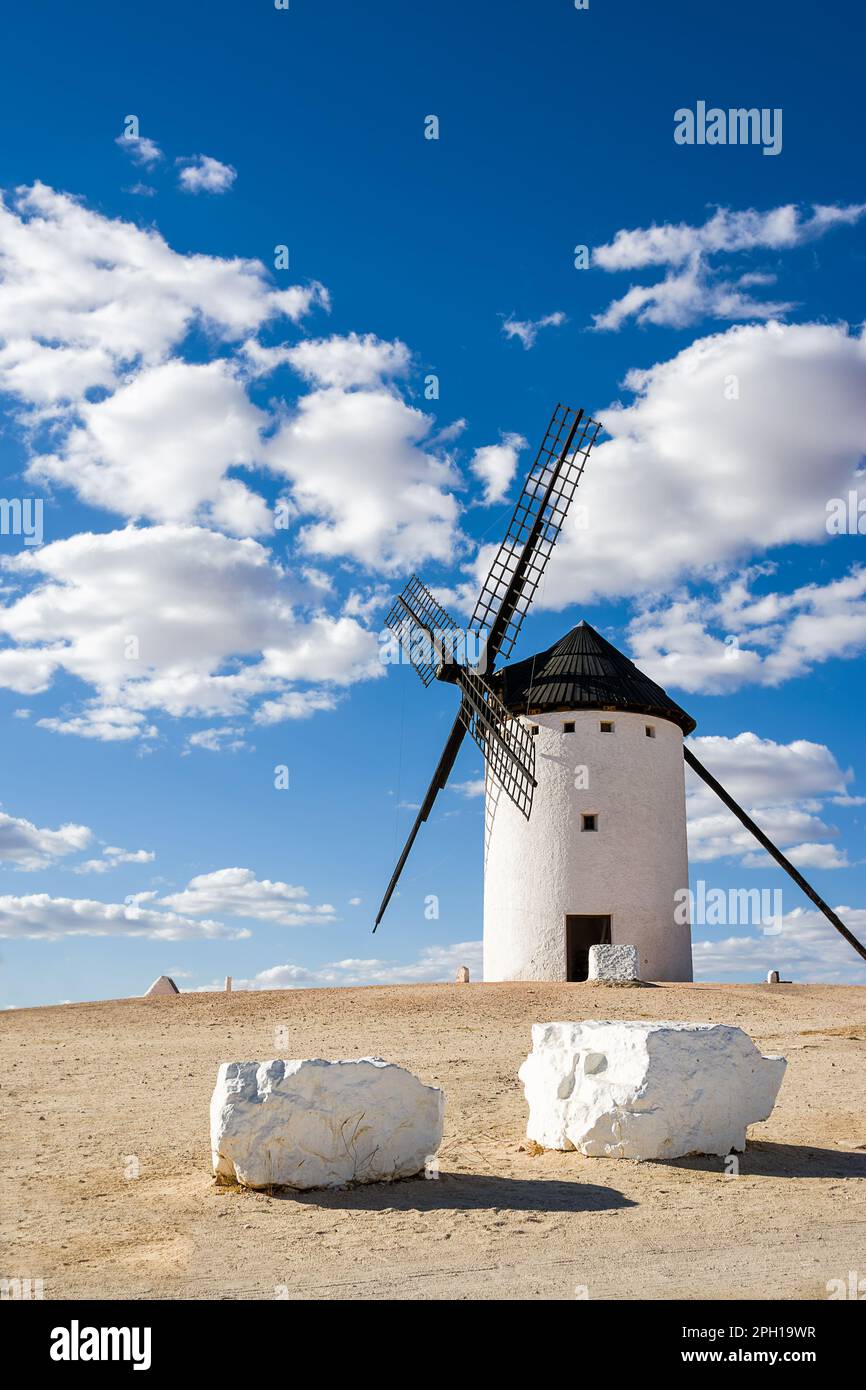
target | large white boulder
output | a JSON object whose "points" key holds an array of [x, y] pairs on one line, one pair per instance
{"points": [[646, 1090], [322, 1124]]}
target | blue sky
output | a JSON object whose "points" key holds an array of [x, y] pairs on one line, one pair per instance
{"points": [[165, 387]]}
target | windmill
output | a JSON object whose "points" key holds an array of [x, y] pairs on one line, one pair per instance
{"points": [[551, 890]]}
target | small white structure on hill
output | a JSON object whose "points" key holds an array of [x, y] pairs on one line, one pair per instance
{"points": [[604, 852], [164, 985]]}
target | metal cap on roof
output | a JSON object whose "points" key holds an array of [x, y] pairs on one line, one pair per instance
{"points": [[585, 671]]}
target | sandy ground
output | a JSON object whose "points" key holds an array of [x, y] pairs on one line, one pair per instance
{"points": [[87, 1086]]}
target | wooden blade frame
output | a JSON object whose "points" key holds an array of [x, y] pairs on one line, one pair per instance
{"points": [[425, 631], [507, 745], [534, 529]]}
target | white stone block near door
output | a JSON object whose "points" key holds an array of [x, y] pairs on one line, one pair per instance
{"points": [[646, 1090], [614, 964], [313, 1123]]}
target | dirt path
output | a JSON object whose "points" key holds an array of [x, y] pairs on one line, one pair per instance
{"points": [[92, 1090]]}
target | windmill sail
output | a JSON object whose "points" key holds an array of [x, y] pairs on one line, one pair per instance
{"points": [[534, 529], [424, 630], [507, 745]]}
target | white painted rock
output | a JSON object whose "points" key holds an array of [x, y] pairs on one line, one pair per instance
{"points": [[322, 1124], [616, 963], [646, 1090], [163, 985]]}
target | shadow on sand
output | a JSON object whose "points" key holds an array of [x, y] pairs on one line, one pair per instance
{"points": [[466, 1192], [762, 1159]]}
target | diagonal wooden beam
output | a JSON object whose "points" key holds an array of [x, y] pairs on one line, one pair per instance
{"points": [[771, 849]]}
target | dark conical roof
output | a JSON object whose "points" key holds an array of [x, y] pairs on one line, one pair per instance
{"points": [[584, 671]]}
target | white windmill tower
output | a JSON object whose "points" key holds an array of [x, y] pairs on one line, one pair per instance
{"points": [[585, 791]]}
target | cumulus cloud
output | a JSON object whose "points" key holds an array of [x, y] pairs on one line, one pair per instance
{"points": [[350, 360], [718, 643], [228, 738], [201, 173], [112, 857], [474, 787], [527, 330], [41, 917], [30, 847], [84, 297], [238, 893], [782, 786], [140, 148], [673, 244], [93, 304], [730, 448], [435, 964], [693, 288], [106, 609], [356, 462], [807, 950], [161, 447], [494, 465]]}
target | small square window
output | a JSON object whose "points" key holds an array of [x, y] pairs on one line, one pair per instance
{"points": [[607, 726], [568, 726], [533, 729], [589, 822], [650, 731]]}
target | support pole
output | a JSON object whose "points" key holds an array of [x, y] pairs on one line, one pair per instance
{"points": [[774, 852]]}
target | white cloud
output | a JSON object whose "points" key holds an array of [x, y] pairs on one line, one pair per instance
{"points": [[201, 173], [238, 893], [807, 950], [673, 244], [83, 297], [215, 622], [356, 462], [140, 148], [296, 704], [495, 465], [112, 857], [30, 847], [527, 330], [227, 738], [693, 289], [106, 723], [738, 638], [435, 964], [39, 916], [161, 448], [686, 296], [782, 786], [352, 360], [474, 787], [692, 481]]}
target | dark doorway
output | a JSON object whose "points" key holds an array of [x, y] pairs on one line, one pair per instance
{"points": [[580, 934]]}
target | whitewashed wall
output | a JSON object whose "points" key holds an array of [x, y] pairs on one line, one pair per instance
{"points": [[539, 870]]}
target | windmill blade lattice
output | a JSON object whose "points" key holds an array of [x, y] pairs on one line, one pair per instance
{"points": [[507, 745], [425, 631], [541, 509]]}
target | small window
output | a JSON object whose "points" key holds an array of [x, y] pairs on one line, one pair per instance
{"points": [[568, 726], [607, 726], [533, 729], [589, 822], [650, 731]]}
